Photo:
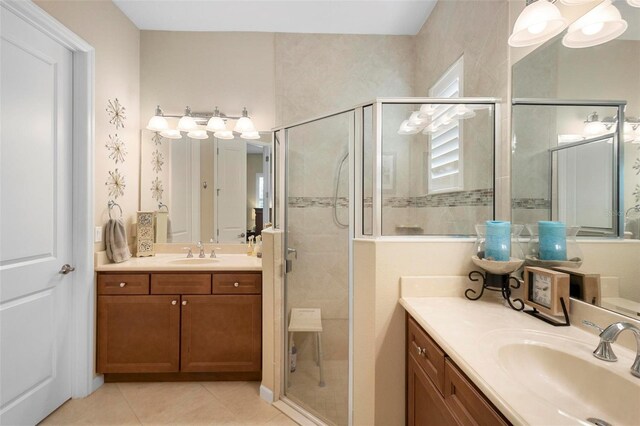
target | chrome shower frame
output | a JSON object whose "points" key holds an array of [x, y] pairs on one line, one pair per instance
{"points": [[356, 208]]}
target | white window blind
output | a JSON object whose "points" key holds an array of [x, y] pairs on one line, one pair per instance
{"points": [[445, 145]]}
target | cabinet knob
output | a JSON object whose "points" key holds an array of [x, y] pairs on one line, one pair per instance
{"points": [[236, 285], [421, 351], [122, 284], [174, 302], [184, 303]]}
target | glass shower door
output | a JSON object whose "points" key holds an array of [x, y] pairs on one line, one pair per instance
{"points": [[317, 229]]}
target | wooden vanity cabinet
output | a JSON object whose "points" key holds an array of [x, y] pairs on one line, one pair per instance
{"points": [[438, 393], [175, 323]]}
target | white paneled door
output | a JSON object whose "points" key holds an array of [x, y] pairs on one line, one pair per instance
{"points": [[231, 189], [35, 222]]}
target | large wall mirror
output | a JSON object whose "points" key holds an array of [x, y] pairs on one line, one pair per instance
{"points": [[574, 162], [209, 190]]}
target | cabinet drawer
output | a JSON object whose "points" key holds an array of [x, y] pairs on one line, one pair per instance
{"points": [[123, 284], [466, 403], [426, 353], [425, 405], [235, 283], [180, 283]]}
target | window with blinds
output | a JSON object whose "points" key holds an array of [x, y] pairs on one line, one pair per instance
{"points": [[445, 145]]}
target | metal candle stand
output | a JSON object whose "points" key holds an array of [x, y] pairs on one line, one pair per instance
{"points": [[495, 282], [535, 313]]}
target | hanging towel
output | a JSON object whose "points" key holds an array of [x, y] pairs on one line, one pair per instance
{"points": [[116, 241]]}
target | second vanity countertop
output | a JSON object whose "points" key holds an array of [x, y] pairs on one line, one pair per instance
{"points": [[179, 262], [469, 332]]}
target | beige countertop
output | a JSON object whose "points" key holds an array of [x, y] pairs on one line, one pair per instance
{"points": [[174, 262], [470, 332]]}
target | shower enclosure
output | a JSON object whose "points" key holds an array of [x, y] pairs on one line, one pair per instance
{"points": [[410, 167]]}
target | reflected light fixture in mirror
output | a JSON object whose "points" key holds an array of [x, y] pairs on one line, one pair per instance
{"points": [[187, 123], [407, 129], [158, 123], [593, 126], [216, 123], [601, 24], [250, 135], [634, 3], [224, 134], [198, 134], [171, 134], [540, 21]]}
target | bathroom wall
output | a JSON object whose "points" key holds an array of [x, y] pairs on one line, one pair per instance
{"points": [[205, 69], [117, 69]]}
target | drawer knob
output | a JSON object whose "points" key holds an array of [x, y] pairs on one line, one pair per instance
{"points": [[174, 302], [421, 351], [184, 303], [122, 284], [236, 285]]}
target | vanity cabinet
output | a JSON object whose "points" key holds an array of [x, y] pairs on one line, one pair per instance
{"points": [[438, 393], [180, 323]]}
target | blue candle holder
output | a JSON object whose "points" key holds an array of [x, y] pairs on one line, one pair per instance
{"points": [[498, 240], [553, 240]]}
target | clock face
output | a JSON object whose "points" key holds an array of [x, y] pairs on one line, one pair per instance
{"points": [[541, 291]]}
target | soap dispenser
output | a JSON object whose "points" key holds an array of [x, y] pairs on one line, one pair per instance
{"points": [[250, 246]]}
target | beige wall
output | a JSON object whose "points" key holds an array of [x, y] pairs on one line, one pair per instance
{"points": [[205, 69], [322, 73], [117, 51]]}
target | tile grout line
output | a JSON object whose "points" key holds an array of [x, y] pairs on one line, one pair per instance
{"points": [[128, 403]]}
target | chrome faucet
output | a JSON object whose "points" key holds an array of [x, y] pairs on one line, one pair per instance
{"points": [[201, 247], [608, 336]]}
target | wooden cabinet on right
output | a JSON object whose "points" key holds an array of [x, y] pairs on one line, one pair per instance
{"points": [[441, 397]]}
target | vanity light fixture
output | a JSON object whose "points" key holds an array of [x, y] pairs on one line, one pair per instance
{"points": [[216, 123], [634, 3], [193, 123], [593, 126], [601, 24], [461, 112], [244, 123], [416, 120], [540, 21], [407, 129], [187, 123], [158, 123]]}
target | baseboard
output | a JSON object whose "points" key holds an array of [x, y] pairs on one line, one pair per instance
{"points": [[266, 394]]}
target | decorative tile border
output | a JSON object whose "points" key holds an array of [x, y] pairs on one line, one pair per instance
{"points": [[477, 197], [530, 203]]}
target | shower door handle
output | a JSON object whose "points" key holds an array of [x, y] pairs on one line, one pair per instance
{"points": [[288, 261]]}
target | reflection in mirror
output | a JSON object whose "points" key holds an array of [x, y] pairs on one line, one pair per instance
{"points": [[563, 164], [437, 168], [213, 190], [559, 175]]}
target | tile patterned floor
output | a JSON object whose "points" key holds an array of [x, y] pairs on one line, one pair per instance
{"points": [[188, 403], [330, 403]]}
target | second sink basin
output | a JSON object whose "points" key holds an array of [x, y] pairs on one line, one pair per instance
{"points": [[194, 261], [563, 372]]}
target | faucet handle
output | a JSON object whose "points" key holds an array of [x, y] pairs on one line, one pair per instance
{"points": [[605, 352], [190, 253], [593, 325]]}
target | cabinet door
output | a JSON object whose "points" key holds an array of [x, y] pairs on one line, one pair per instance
{"points": [[466, 403], [221, 333], [425, 405], [138, 334]]}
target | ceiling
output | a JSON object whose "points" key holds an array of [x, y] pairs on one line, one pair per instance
{"points": [[391, 17]]}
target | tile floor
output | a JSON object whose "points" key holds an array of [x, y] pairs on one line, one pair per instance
{"points": [[181, 403], [330, 403]]}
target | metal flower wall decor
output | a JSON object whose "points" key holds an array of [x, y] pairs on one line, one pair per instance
{"points": [[157, 160], [157, 189], [117, 113], [116, 148], [157, 139], [115, 184]]}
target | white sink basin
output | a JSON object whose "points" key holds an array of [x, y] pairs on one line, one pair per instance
{"points": [[194, 261], [564, 373]]}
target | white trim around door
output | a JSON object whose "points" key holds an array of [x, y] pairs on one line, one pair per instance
{"points": [[82, 322]]}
